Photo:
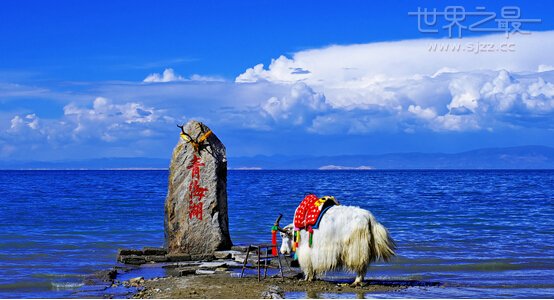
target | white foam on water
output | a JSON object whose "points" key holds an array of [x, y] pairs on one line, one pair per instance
{"points": [[65, 285]]}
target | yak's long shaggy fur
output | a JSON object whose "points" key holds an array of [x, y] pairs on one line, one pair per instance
{"points": [[348, 238]]}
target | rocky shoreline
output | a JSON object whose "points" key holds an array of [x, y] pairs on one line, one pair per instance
{"points": [[152, 273]]}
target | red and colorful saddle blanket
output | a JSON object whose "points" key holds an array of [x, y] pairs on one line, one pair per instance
{"points": [[310, 210]]}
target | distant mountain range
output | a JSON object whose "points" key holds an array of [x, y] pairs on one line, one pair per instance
{"points": [[525, 157]]}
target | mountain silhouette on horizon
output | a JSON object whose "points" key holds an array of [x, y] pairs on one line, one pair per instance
{"points": [[523, 157]]}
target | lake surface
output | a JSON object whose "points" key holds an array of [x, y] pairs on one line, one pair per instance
{"points": [[479, 233]]}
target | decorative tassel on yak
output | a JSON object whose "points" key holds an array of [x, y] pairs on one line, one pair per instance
{"points": [[274, 240], [311, 232], [295, 241]]}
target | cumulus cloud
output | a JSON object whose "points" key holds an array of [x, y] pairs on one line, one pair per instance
{"points": [[404, 86], [98, 122], [111, 122], [339, 65], [398, 87], [296, 108], [169, 75], [20, 123]]}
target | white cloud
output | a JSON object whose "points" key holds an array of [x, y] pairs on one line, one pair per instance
{"points": [[112, 122], [168, 75], [336, 65], [424, 113], [298, 107], [545, 68], [19, 124], [388, 84], [356, 89]]}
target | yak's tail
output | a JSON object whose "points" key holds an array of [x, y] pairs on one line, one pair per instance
{"points": [[383, 244]]}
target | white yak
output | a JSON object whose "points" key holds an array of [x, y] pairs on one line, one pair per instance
{"points": [[348, 238]]}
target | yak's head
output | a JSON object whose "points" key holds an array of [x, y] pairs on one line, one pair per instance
{"points": [[287, 239], [286, 236]]}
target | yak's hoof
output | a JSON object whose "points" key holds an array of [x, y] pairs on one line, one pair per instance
{"points": [[357, 284]]}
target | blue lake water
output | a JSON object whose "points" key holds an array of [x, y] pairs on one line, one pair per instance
{"points": [[479, 233]]}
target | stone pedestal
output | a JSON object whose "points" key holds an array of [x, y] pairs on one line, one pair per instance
{"points": [[196, 220]]}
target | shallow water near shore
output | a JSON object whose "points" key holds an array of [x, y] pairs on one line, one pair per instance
{"points": [[478, 233]]}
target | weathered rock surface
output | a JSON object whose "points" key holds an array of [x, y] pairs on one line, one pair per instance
{"points": [[154, 251], [240, 248], [226, 254], [155, 258], [132, 259], [273, 292], [213, 265], [196, 220], [121, 252], [205, 272], [178, 257]]}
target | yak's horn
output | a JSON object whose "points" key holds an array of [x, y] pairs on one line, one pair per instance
{"points": [[277, 224], [184, 133]]}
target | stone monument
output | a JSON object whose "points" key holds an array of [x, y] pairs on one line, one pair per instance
{"points": [[196, 220]]}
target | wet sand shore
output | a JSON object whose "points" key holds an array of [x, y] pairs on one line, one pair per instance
{"points": [[224, 286]]}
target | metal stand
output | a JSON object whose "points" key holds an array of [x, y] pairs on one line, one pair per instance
{"points": [[264, 254]]}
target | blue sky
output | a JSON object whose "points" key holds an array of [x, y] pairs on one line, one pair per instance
{"points": [[100, 79]]}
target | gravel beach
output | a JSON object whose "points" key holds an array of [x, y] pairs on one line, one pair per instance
{"points": [[225, 286]]}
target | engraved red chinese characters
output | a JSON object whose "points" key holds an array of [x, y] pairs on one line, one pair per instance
{"points": [[197, 192]]}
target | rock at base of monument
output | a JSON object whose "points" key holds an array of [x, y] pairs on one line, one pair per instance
{"points": [[241, 248], [121, 252], [226, 254], [252, 259], [187, 271], [178, 257], [221, 270], [213, 265], [205, 272], [202, 257], [240, 257], [182, 264], [154, 251], [132, 259], [155, 258]]}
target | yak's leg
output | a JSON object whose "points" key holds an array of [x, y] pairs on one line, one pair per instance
{"points": [[310, 276], [359, 280], [360, 277]]}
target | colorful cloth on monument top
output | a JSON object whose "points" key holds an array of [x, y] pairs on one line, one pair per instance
{"points": [[309, 210]]}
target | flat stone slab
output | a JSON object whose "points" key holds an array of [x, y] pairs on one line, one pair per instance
{"points": [[155, 258], [187, 271], [183, 264], [240, 257], [154, 251], [121, 252], [132, 259], [234, 264], [212, 265], [178, 257], [241, 248], [226, 254], [202, 257], [205, 272]]}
